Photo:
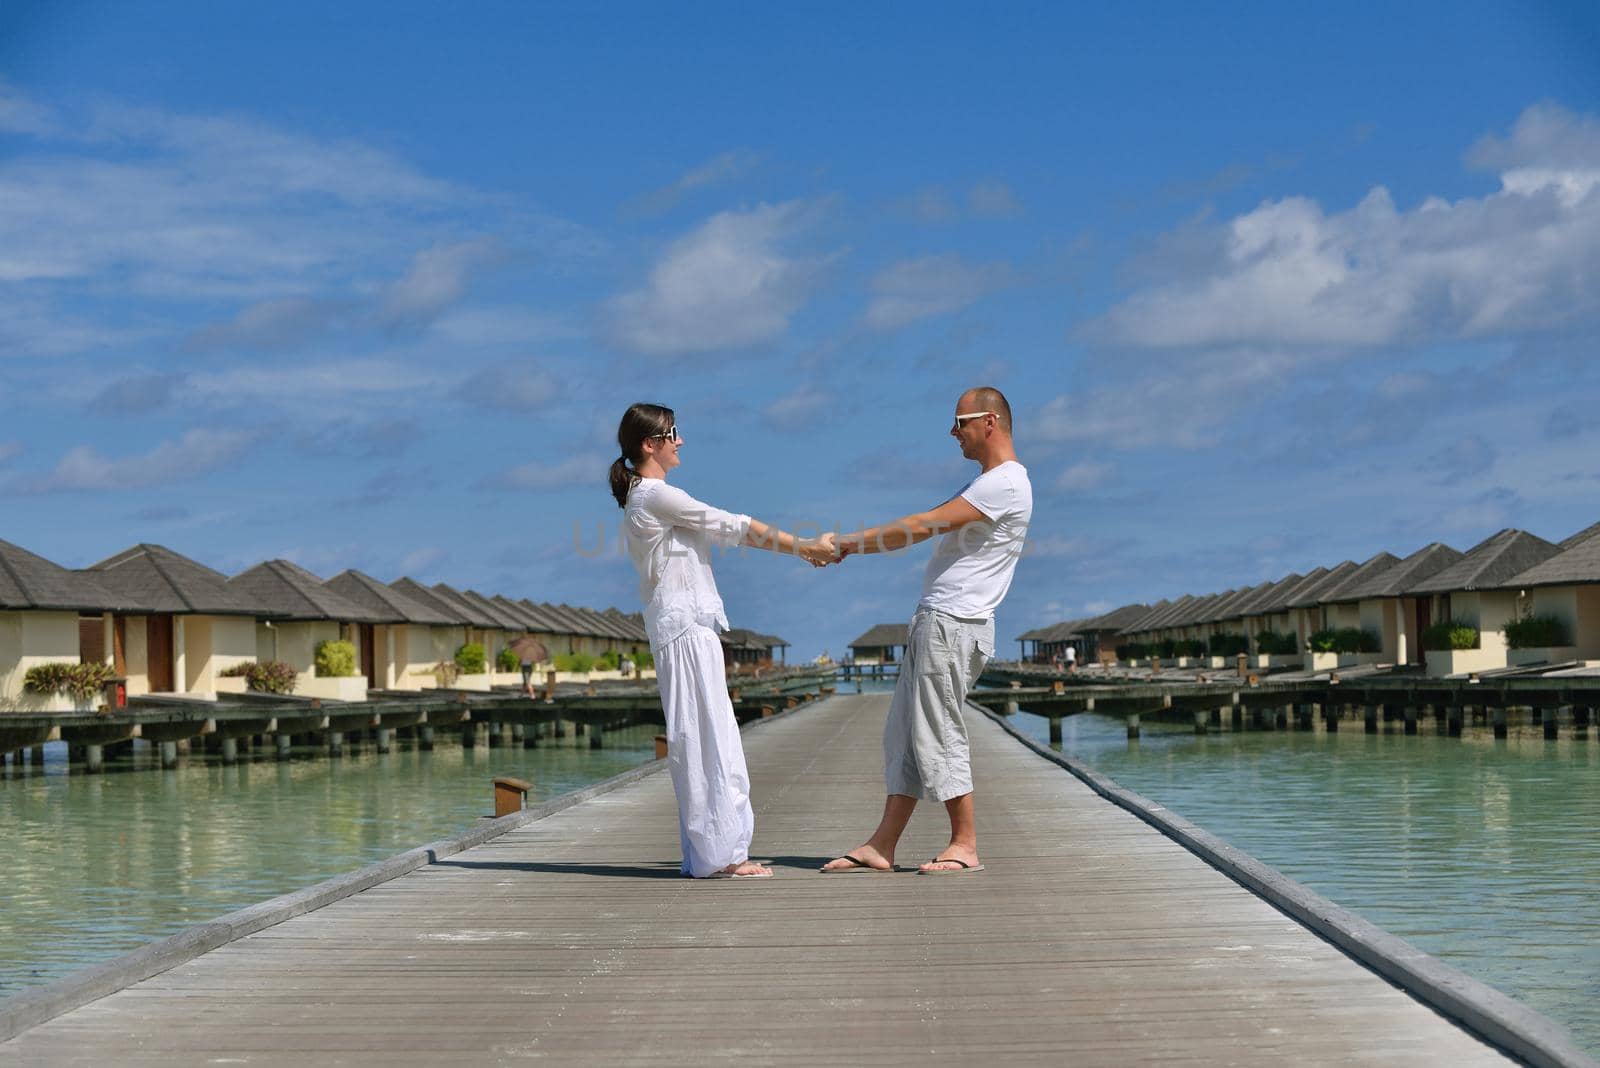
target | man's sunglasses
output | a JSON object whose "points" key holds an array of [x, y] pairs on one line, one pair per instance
{"points": [[964, 416]]}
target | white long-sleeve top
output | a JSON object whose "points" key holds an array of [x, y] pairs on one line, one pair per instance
{"points": [[670, 535]]}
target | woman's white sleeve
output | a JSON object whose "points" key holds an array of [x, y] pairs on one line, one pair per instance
{"points": [[676, 508]]}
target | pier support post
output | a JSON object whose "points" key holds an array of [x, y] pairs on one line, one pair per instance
{"points": [[518, 734], [496, 735], [597, 735], [469, 734], [1055, 730], [559, 728], [1411, 719], [1258, 717], [1303, 717], [1552, 722], [1330, 718], [1500, 730], [1133, 725], [530, 736], [36, 757], [578, 728], [1236, 715], [1580, 723], [1202, 721], [169, 755], [94, 759], [425, 738], [230, 751], [1452, 720], [385, 739], [1369, 717], [335, 743], [283, 742], [1280, 718]]}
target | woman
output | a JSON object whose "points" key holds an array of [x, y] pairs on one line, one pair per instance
{"points": [[669, 535]]}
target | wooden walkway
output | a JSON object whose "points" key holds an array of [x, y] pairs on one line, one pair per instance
{"points": [[1090, 939]]}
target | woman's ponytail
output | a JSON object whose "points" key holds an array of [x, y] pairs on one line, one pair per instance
{"points": [[640, 423], [622, 479]]}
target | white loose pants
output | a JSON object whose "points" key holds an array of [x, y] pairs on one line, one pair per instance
{"points": [[704, 754]]}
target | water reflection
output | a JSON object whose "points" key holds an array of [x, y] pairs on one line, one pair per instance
{"points": [[100, 864], [1478, 851]]}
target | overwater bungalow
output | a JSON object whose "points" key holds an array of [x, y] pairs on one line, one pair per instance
{"points": [[1473, 592], [1149, 629], [483, 626], [1336, 610], [1381, 607], [1564, 588], [446, 640], [177, 626], [632, 624], [742, 648], [1269, 613], [48, 615], [1098, 636], [419, 637], [1305, 608], [509, 626], [1048, 641], [304, 613], [882, 644]]}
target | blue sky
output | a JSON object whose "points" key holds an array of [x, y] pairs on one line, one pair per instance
{"points": [[370, 287]]}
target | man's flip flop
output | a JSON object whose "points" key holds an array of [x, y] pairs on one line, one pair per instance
{"points": [[964, 869], [856, 864]]}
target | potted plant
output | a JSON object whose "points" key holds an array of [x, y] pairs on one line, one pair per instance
{"points": [[1539, 640]]}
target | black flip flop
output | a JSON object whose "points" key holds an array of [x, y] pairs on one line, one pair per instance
{"points": [[964, 869], [856, 865]]}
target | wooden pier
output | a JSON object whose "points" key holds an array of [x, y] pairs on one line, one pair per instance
{"points": [[1092, 938]]}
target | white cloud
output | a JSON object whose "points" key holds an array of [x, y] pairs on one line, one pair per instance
{"points": [[929, 205], [436, 279], [799, 408], [334, 381], [932, 285], [196, 452], [1086, 475], [728, 284], [715, 171], [1525, 258], [518, 387], [1182, 403], [9, 450], [993, 199], [584, 469]]}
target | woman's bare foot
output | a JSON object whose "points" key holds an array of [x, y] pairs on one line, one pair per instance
{"points": [[868, 857], [747, 868]]}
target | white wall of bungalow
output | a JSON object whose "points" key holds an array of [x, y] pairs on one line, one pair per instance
{"points": [[29, 638]]}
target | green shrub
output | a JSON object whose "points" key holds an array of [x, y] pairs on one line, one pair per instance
{"points": [[1227, 644], [1323, 641], [1352, 640], [1166, 649], [335, 660], [471, 660], [1537, 632], [81, 682], [576, 662], [267, 676], [1450, 634], [1189, 647], [1133, 651], [446, 672], [644, 660], [1271, 643], [608, 661], [508, 661]]}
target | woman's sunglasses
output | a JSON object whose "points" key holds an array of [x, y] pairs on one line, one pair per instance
{"points": [[670, 435]]}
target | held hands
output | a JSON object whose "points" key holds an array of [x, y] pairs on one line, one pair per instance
{"points": [[820, 552]]}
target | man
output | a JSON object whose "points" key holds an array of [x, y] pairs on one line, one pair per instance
{"points": [[1072, 659], [925, 750]]}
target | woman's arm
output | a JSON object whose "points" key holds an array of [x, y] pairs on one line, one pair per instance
{"points": [[953, 514], [816, 551]]}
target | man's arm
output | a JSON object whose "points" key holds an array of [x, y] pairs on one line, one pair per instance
{"points": [[953, 514]]}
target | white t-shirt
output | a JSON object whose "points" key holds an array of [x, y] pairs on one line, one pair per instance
{"points": [[1072, 655], [972, 567]]}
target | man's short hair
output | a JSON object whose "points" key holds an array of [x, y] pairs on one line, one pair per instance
{"points": [[987, 398]]}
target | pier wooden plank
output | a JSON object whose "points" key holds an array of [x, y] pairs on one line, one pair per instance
{"points": [[1090, 939]]}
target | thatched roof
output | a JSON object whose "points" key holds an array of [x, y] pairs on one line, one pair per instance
{"points": [[1309, 596], [632, 623], [29, 581], [289, 591], [153, 579], [1251, 606], [1489, 564], [1115, 619], [884, 634], [1199, 610], [1136, 624], [1425, 562], [1371, 568], [1162, 615], [475, 614], [1580, 537], [740, 638], [1280, 599], [456, 612], [377, 597], [1578, 564], [1230, 607]]}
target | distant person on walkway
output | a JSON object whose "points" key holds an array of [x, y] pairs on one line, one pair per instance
{"points": [[1072, 659], [951, 639], [670, 535]]}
